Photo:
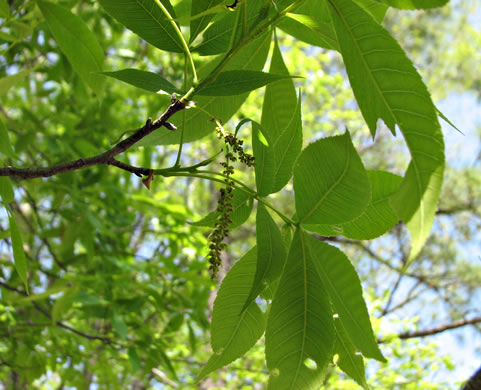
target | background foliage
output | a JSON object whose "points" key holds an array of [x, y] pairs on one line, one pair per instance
{"points": [[119, 293]]}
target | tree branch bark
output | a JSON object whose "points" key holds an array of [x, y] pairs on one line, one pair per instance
{"points": [[103, 158], [441, 328]]}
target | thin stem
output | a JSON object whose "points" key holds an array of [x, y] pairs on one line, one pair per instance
{"points": [[237, 184], [181, 37]]}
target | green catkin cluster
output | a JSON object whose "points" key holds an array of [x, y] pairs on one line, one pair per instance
{"points": [[224, 204]]}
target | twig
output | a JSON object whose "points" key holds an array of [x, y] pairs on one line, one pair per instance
{"points": [[103, 158], [440, 328]]}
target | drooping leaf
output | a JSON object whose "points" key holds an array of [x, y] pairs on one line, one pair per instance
{"points": [[18, 252], [197, 25], [197, 122], [388, 87], [414, 4], [282, 129], [5, 146], [142, 79], [241, 209], [237, 82], [271, 253], [77, 42], [7, 82], [378, 217], [234, 331], [344, 288], [147, 19], [300, 326], [6, 190], [330, 182], [349, 361]]}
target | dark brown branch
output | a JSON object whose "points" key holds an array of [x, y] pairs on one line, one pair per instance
{"points": [[441, 328], [103, 158]]}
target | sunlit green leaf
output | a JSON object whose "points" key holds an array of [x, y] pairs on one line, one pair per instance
{"points": [[414, 4], [119, 325], [234, 331], [218, 37], [147, 19], [4, 9], [376, 9], [377, 219], [300, 327], [5, 146], [198, 24], [311, 23], [330, 182], [264, 157], [77, 42], [237, 82], [349, 360], [388, 87], [271, 253], [142, 79], [344, 288], [282, 126]]}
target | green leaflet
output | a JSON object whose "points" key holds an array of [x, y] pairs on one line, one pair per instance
{"points": [[378, 217], [311, 23], [282, 127], [6, 190], [377, 10], [147, 19], [237, 82], [197, 123], [349, 360], [300, 324], [218, 37], [7, 82], [388, 87], [77, 42], [5, 146], [344, 288], [241, 209], [264, 160], [142, 79], [271, 253], [18, 252], [330, 182], [234, 331], [414, 4], [199, 24]]}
